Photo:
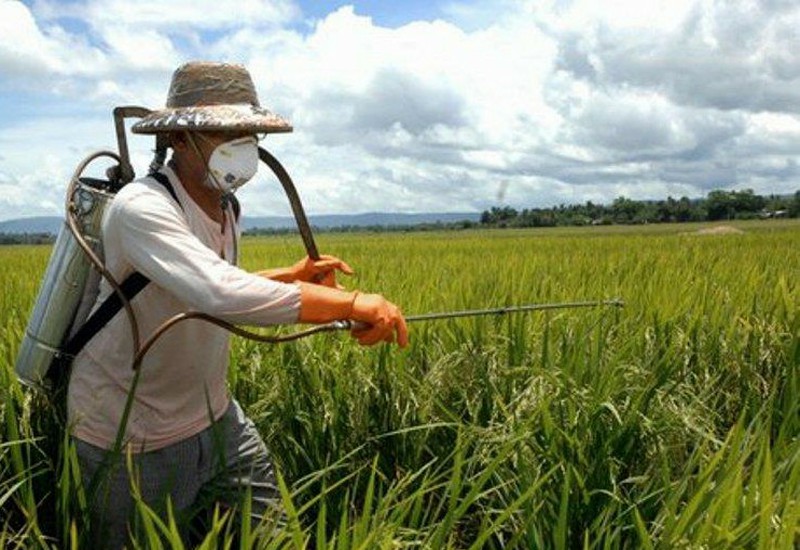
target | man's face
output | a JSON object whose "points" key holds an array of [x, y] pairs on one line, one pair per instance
{"points": [[193, 152], [231, 158]]}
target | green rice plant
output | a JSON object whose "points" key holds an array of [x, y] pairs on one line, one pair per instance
{"points": [[673, 422]]}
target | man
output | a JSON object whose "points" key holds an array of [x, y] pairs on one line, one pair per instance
{"points": [[187, 439]]}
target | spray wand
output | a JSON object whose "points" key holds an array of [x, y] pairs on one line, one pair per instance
{"points": [[356, 325]]}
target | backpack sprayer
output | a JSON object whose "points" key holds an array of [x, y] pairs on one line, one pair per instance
{"points": [[71, 282], [70, 286]]}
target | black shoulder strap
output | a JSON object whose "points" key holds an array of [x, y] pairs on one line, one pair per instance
{"points": [[164, 180], [130, 287], [102, 315]]}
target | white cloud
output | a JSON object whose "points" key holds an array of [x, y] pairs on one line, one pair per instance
{"points": [[28, 51], [651, 15], [534, 102], [726, 55], [173, 15], [144, 49]]}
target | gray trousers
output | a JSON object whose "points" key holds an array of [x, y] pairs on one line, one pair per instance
{"points": [[223, 464]]}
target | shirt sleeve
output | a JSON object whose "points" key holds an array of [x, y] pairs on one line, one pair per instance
{"points": [[156, 240]]}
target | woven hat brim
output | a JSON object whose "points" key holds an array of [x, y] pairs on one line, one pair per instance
{"points": [[211, 118]]}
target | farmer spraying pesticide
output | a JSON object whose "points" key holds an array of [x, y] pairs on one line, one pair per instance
{"points": [[146, 349], [170, 245]]}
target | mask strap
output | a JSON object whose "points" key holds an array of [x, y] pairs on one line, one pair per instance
{"points": [[205, 163], [225, 199]]}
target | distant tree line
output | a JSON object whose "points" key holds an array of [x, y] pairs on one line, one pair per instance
{"points": [[376, 228], [718, 205], [26, 238]]}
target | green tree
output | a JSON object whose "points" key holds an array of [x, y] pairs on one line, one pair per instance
{"points": [[719, 205], [625, 210]]}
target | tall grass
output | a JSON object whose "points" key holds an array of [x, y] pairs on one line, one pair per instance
{"points": [[673, 422]]}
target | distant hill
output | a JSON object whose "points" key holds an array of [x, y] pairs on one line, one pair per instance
{"points": [[41, 224], [359, 220], [52, 224]]}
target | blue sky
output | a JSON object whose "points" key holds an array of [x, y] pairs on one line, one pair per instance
{"points": [[425, 106], [385, 13]]}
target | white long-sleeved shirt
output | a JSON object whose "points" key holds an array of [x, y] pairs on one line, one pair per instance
{"points": [[182, 386]]}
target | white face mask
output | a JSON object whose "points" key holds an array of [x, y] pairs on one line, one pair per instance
{"points": [[232, 164]]}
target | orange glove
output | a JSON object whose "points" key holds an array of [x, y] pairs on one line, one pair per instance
{"points": [[319, 304], [382, 317], [322, 271]]}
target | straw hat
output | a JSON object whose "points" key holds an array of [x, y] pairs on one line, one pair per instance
{"points": [[207, 96]]}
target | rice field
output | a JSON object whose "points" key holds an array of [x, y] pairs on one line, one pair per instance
{"points": [[673, 422]]}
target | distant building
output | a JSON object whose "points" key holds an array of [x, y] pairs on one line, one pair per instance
{"points": [[765, 214]]}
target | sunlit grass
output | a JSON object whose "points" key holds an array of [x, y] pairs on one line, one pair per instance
{"points": [[673, 422]]}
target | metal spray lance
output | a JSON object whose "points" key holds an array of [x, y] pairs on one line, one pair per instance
{"points": [[307, 236]]}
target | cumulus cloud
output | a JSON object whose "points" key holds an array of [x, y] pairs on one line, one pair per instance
{"points": [[393, 111], [28, 51], [728, 55], [173, 16], [527, 102]]}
